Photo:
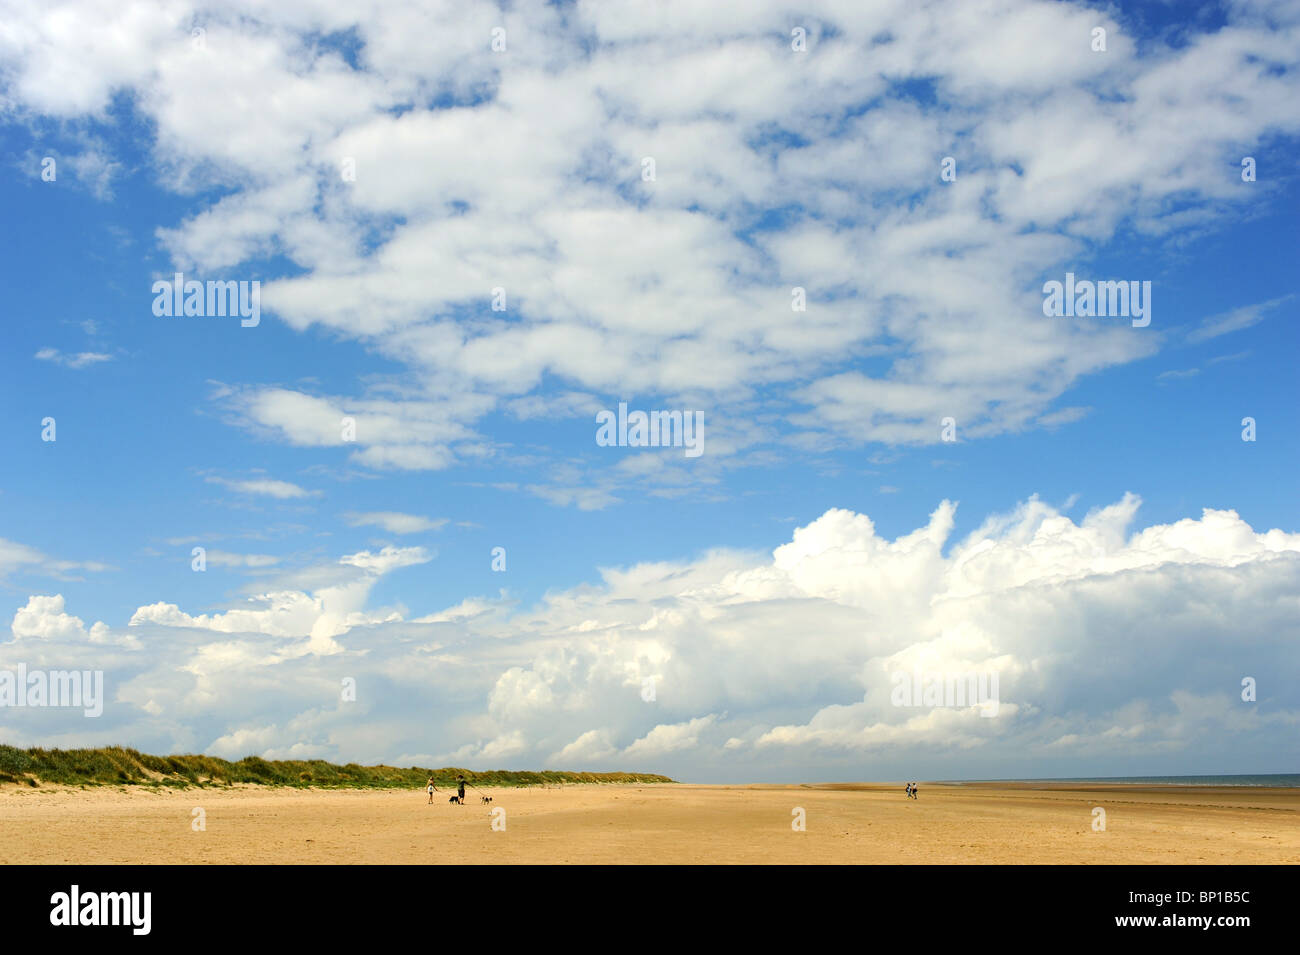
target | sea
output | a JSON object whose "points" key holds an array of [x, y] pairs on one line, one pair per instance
{"points": [[1273, 780]]}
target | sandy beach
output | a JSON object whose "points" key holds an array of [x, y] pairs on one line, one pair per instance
{"points": [[680, 823]]}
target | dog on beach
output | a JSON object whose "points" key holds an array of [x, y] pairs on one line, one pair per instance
{"points": [[485, 799], [456, 799]]}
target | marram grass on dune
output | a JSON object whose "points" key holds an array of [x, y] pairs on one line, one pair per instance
{"points": [[120, 766]]}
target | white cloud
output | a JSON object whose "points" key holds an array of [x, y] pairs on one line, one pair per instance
{"points": [[221, 558], [1107, 642], [334, 606], [1235, 320], [282, 490], [664, 739], [14, 556], [395, 522], [44, 618], [80, 360], [592, 747], [388, 559], [19, 558], [677, 288]]}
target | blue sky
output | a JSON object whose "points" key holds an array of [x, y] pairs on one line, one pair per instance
{"points": [[522, 169]]}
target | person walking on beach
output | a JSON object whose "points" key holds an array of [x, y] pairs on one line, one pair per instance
{"points": [[915, 790], [460, 789], [908, 789], [430, 788]]}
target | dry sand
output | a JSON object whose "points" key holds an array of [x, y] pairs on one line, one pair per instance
{"points": [[846, 823]]}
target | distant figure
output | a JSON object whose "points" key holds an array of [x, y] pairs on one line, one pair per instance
{"points": [[460, 789], [915, 791], [908, 790], [430, 789]]}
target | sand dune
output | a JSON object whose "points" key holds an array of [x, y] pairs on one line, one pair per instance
{"points": [[846, 823]]}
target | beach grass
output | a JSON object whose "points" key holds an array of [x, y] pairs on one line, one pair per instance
{"points": [[122, 766]]}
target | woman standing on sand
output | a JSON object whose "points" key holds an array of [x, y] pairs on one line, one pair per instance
{"points": [[431, 789]]}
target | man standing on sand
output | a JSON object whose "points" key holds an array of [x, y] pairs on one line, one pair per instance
{"points": [[460, 789]]}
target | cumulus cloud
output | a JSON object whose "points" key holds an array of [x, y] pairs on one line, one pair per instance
{"points": [[665, 739], [775, 173], [333, 607], [677, 288], [591, 747], [44, 618], [1113, 646]]}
